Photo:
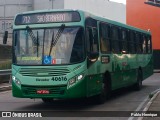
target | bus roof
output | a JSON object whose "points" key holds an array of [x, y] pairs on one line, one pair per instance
{"points": [[87, 14], [115, 23]]}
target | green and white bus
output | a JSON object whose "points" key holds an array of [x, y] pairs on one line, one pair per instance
{"points": [[63, 54]]}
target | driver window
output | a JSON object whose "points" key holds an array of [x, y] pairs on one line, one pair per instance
{"points": [[78, 47], [91, 35], [92, 39]]}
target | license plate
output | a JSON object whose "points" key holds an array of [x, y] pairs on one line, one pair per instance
{"points": [[42, 91]]}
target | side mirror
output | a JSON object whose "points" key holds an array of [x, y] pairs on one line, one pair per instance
{"points": [[93, 55], [5, 37], [124, 51]]}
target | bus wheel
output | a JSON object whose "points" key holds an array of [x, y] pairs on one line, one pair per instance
{"points": [[138, 84], [101, 98], [106, 90], [47, 100]]}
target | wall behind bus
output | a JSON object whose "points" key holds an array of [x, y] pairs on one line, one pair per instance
{"points": [[146, 17], [8, 9], [103, 8], [48, 4]]}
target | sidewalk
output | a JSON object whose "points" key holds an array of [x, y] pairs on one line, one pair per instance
{"points": [[153, 107], [5, 86], [156, 71]]}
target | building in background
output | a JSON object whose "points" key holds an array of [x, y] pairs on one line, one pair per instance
{"points": [[48, 4], [8, 9], [104, 8], [147, 17]]}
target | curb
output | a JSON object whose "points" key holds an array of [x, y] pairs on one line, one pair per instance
{"points": [[149, 104], [156, 71], [5, 88]]}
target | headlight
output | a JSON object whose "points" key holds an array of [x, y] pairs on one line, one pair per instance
{"points": [[13, 78], [80, 77], [74, 80], [18, 82]]}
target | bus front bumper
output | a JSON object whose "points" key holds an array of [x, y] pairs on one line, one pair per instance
{"points": [[57, 92]]}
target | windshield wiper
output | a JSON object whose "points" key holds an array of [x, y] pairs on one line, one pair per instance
{"points": [[34, 39], [32, 35], [54, 40]]}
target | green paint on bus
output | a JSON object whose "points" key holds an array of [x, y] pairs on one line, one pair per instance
{"points": [[73, 54]]}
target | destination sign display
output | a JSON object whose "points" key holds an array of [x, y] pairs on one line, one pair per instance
{"points": [[51, 17]]}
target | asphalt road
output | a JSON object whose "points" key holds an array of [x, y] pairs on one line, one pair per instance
{"points": [[121, 100]]}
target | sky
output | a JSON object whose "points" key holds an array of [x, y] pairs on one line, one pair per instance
{"points": [[119, 1]]}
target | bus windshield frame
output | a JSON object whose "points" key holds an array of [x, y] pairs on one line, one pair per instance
{"points": [[69, 48]]}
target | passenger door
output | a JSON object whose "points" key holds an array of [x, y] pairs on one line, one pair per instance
{"points": [[93, 64]]}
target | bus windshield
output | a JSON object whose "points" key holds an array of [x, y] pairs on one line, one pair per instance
{"points": [[33, 47]]}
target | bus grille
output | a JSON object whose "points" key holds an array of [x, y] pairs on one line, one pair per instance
{"points": [[53, 90], [43, 72]]}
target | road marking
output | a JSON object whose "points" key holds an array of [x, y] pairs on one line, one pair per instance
{"points": [[155, 91], [141, 105]]}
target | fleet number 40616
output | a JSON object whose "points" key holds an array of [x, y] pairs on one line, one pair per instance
{"points": [[59, 78]]}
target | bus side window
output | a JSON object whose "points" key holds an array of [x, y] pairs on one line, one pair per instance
{"points": [[95, 40], [124, 41], [115, 40], [128, 41], [144, 44], [132, 43], [88, 37], [139, 43], [104, 37], [149, 47]]}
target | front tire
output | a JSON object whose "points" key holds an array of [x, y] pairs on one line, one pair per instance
{"points": [[106, 90], [101, 98], [138, 84]]}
